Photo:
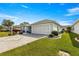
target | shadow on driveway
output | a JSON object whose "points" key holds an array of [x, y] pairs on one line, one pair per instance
{"points": [[34, 35]]}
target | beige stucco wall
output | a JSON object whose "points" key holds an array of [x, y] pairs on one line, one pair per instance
{"points": [[40, 29], [76, 28], [60, 28], [46, 28], [55, 27]]}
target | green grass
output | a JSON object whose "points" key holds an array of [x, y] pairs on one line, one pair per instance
{"points": [[47, 47], [3, 34]]}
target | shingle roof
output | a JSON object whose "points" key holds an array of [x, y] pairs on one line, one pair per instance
{"points": [[45, 21]]}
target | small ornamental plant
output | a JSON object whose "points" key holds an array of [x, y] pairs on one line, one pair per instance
{"points": [[51, 35], [78, 37], [55, 33]]}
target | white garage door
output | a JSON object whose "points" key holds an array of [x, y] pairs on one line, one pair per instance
{"points": [[41, 29]]}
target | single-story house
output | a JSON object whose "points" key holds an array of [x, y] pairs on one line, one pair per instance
{"points": [[16, 28], [26, 28], [45, 27], [65, 27], [75, 27]]}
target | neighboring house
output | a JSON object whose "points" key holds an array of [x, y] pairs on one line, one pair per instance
{"points": [[22, 28], [17, 27], [75, 27], [25, 26], [45, 27], [65, 27]]}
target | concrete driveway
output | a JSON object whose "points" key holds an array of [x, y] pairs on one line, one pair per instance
{"points": [[11, 42]]}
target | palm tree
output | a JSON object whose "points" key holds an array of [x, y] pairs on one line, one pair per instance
{"points": [[8, 23], [23, 24]]}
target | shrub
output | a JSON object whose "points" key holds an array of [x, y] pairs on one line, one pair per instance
{"points": [[78, 37], [69, 29], [9, 34], [5, 31], [14, 33], [62, 31], [50, 35], [55, 33]]}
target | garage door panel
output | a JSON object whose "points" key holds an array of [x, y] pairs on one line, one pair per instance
{"points": [[41, 29]]}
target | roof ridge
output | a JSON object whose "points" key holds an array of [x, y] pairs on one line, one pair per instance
{"points": [[47, 20]]}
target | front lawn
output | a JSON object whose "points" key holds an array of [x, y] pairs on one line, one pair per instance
{"points": [[46, 47], [3, 34]]}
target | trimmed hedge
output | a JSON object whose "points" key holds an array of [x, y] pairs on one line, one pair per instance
{"points": [[55, 33], [51, 35]]}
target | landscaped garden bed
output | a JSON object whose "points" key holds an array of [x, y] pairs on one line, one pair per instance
{"points": [[54, 35], [63, 53], [77, 38]]}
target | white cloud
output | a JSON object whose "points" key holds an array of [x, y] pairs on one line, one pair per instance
{"points": [[24, 6], [68, 14], [73, 11], [7, 16], [16, 19], [62, 4], [49, 4], [13, 18], [65, 22]]}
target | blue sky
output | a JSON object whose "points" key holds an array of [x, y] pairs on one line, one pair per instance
{"points": [[63, 13]]}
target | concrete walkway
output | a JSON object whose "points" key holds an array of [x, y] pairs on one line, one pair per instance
{"points": [[11, 42]]}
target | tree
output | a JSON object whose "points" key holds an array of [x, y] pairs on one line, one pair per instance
{"points": [[8, 23], [1, 27], [69, 29], [23, 24]]}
